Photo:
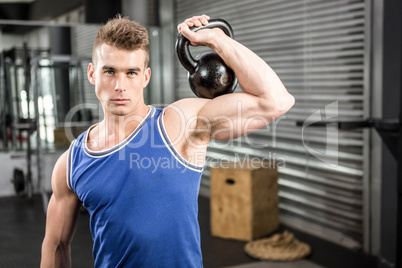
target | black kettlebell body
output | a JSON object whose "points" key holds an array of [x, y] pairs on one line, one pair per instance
{"points": [[212, 77], [208, 74]]}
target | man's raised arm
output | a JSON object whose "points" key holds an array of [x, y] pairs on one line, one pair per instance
{"points": [[264, 99]]}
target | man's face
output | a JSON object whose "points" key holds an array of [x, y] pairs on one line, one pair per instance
{"points": [[119, 77]]}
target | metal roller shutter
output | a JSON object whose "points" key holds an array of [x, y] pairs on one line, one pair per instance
{"points": [[83, 37], [318, 48]]}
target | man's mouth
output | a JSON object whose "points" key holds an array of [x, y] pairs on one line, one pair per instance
{"points": [[120, 101]]}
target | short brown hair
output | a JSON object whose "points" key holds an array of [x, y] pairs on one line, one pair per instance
{"points": [[122, 33]]}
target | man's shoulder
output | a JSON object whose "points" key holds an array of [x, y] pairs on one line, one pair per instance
{"points": [[182, 118], [60, 170], [184, 110], [61, 163]]}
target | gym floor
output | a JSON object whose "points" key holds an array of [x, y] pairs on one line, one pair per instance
{"points": [[22, 224]]}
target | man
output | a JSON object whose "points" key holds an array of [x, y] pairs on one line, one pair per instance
{"points": [[137, 172]]}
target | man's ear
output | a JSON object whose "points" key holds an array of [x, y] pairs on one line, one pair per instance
{"points": [[147, 77], [91, 73]]}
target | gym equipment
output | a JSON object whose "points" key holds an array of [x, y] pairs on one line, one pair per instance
{"points": [[29, 107], [18, 181], [278, 247], [208, 74]]}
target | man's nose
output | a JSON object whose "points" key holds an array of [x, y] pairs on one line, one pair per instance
{"points": [[120, 83]]}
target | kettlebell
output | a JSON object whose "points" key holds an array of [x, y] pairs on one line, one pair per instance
{"points": [[208, 74]]}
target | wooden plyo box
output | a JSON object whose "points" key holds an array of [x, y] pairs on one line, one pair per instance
{"points": [[60, 135], [244, 200], [60, 138]]}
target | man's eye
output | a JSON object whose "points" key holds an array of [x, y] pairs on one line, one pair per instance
{"points": [[109, 72], [131, 73]]}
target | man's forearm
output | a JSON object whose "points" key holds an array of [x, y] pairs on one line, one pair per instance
{"points": [[253, 73], [56, 256]]}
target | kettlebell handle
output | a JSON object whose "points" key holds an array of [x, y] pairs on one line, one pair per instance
{"points": [[182, 43]]}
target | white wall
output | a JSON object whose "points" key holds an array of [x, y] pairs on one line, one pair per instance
{"points": [[37, 38], [8, 41], [11, 160]]}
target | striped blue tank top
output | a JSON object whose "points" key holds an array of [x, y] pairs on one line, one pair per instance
{"points": [[142, 199]]}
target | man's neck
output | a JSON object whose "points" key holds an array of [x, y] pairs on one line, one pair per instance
{"points": [[113, 129]]}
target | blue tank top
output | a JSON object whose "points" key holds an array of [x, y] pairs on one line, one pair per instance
{"points": [[142, 199]]}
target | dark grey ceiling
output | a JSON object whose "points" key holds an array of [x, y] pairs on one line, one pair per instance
{"points": [[37, 10]]}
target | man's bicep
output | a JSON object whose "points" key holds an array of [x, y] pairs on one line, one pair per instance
{"points": [[233, 115], [61, 220], [64, 205]]}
